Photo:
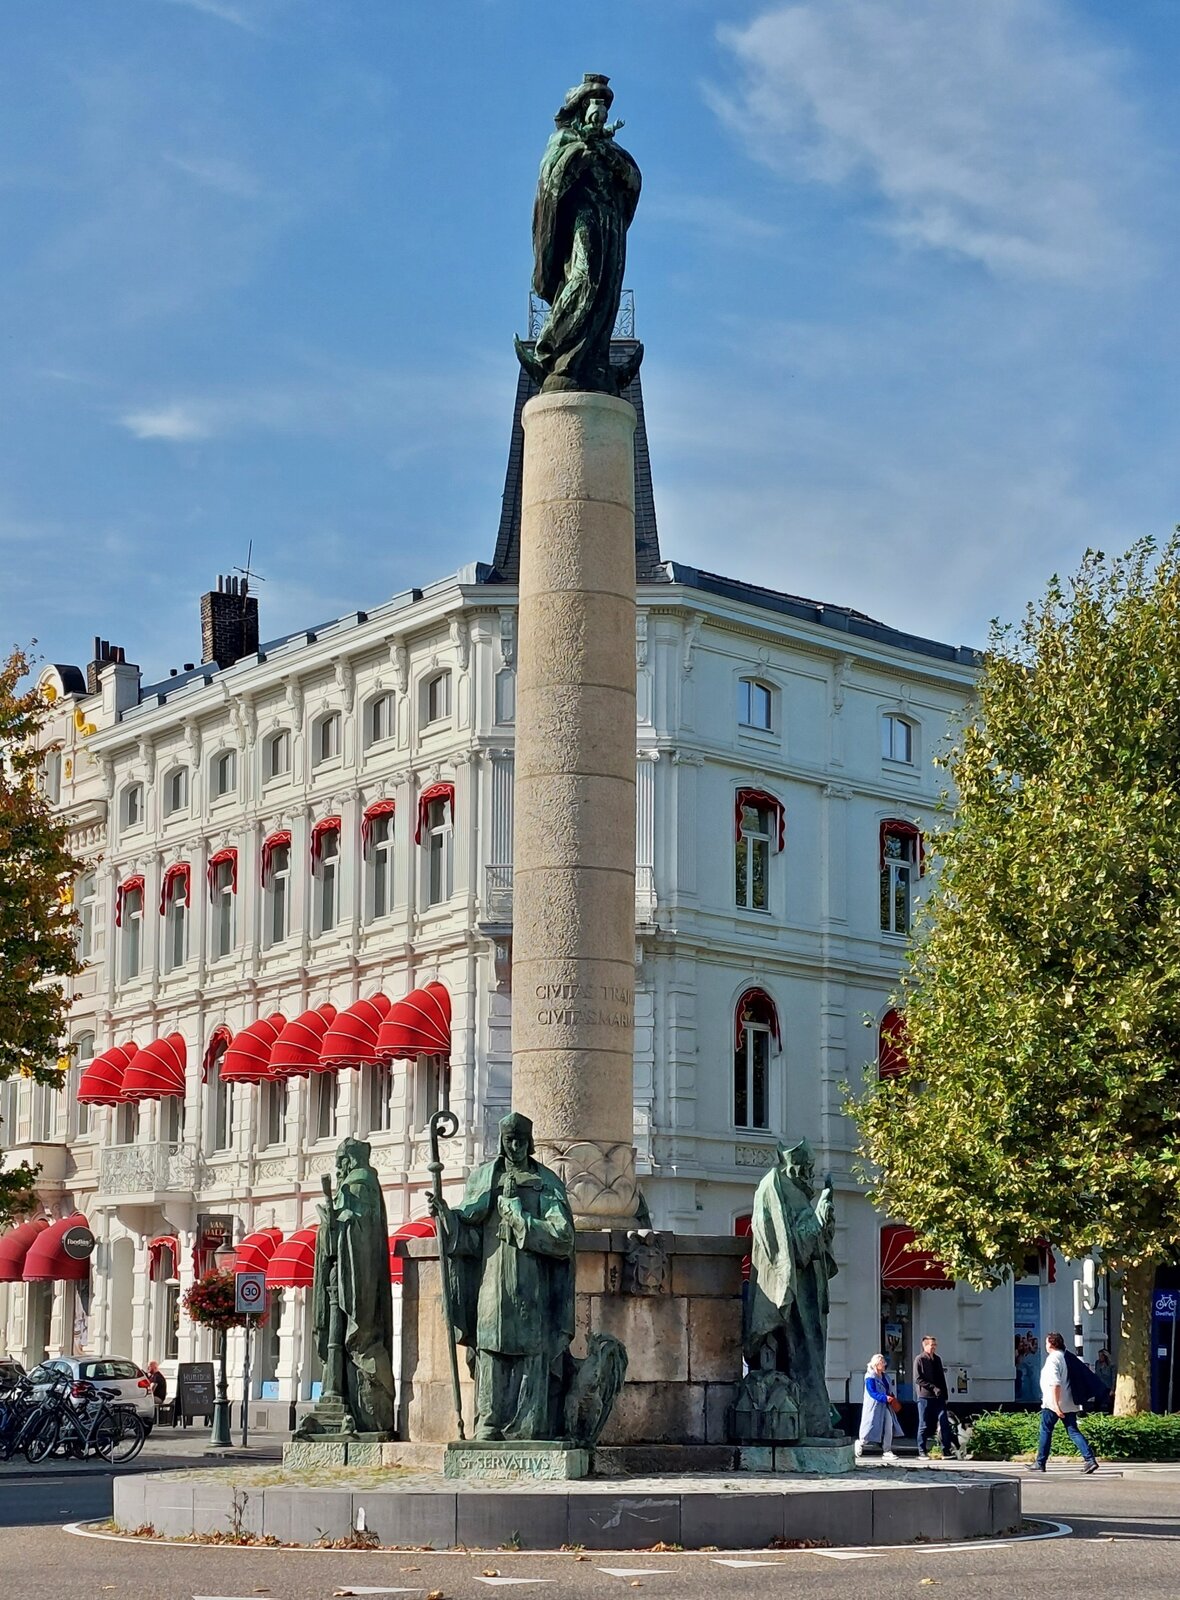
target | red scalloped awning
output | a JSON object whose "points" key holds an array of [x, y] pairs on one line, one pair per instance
{"points": [[351, 1041], [272, 842], [219, 1042], [755, 1006], [179, 873], [436, 791], [15, 1246], [904, 830], [319, 833], [379, 808], [766, 802], [293, 1264], [164, 1244], [296, 1051], [903, 1268], [101, 1083], [892, 1060], [47, 1262], [128, 886], [743, 1227], [419, 1025], [256, 1251], [221, 858], [422, 1229], [157, 1071], [248, 1058]]}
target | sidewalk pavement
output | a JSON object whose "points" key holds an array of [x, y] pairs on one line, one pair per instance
{"points": [[165, 1448]]}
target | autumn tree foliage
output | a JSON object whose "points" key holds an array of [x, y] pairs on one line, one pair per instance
{"points": [[1042, 996], [37, 870]]}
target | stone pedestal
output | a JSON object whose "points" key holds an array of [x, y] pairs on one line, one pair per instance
{"points": [[472, 1458], [824, 1458], [573, 935]]}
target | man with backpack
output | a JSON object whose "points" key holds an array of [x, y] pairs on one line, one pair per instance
{"points": [[1059, 1403]]}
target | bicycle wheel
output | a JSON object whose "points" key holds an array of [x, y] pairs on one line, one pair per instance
{"points": [[41, 1438], [118, 1436]]}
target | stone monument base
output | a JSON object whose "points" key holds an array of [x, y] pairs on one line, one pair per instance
{"points": [[336, 1450], [507, 1458], [823, 1457]]}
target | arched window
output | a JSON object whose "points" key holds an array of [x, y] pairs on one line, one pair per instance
{"points": [[131, 807], [755, 704], [377, 842], [897, 738], [129, 921], [759, 830], [176, 791], [220, 1092], [901, 867], [756, 1029], [437, 698], [276, 758], [223, 773], [223, 891], [380, 719], [325, 868], [325, 738], [276, 887], [891, 1046], [86, 905], [175, 896], [83, 1056]]}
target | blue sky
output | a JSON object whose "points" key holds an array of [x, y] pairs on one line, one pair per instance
{"points": [[905, 271]]}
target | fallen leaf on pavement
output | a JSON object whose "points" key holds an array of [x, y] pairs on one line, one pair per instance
{"points": [[490, 1572]]}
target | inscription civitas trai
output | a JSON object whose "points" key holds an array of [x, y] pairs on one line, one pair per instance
{"points": [[587, 1005]]}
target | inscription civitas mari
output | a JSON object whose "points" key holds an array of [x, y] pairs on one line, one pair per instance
{"points": [[572, 1005]]}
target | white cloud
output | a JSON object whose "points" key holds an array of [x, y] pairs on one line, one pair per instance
{"points": [[993, 131], [222, 10], [213, 172], [176, 423]]}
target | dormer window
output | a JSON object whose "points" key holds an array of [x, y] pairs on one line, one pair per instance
{"points": [[326, 738], [438, 697], [176, 791], [224, 772], [379, 719], [131, 808], [897, 738], [277, 756], [755, 703]]}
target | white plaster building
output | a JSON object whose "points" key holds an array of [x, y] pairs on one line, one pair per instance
{"points": [[329, 819]]}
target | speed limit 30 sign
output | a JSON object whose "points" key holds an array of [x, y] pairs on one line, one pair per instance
{"points": [[249, 1292]]}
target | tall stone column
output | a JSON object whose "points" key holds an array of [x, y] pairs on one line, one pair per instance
{"points": [[573, 922]]}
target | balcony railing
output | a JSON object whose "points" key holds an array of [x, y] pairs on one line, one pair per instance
{"points": [[497, 895], [147, 1168]]}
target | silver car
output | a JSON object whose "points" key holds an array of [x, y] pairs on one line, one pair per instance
{"points": [[107, 1372]]}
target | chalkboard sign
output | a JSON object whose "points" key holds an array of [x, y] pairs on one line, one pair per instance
{"points": [[194, 1389]]}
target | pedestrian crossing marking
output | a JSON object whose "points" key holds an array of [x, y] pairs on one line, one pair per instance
{"points": [[635, 1572], [720, 1561]]}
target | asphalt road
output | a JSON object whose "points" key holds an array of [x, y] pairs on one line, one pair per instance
{"points": [[1125, 1543]]}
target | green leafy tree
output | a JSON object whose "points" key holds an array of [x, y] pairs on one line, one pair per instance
{"points": [[37, 944], [1042, 995]]}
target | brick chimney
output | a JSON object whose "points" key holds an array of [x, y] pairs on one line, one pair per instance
{"points": [[229, 622], [105, 655]]}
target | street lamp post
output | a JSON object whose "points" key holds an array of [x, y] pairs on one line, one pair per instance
{"points": [[220, 1437]]}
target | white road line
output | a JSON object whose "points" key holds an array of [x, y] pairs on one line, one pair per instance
{"points": [[722, 1561], [635, 1572], [844, 1555], [364, 1588], [495, 1583]]}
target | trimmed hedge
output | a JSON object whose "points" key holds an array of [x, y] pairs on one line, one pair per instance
{"points": [[1005, 1435]]}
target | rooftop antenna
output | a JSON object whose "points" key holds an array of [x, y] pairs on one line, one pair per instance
{"points": [[246, 571]]}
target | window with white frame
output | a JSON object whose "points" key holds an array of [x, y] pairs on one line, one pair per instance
{"points": [[131, 931], [506, 696], [176, 896], [380, 719], [176, 791], [127, 1122], [274, 1111], [277, 896], [897, 738], [324, 1094], [131, 806], [755, 704], [51, 776], [224, 773], [899, 873], [276, 760], [379, 867], [437, 707], [43, 1102], [326, 875], [84, 1055], [223, 910], [751, 858], [325, 738], [221, 1102], [751, 1062], [439, 839], [86, 906], [378, 1097], [428, 1087], [172, 1119]]}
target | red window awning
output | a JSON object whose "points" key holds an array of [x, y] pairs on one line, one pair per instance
{"points": [[101, 1082], [743, 1227], [248, 1058], [157, 1071], [904, 1268], [15, 1246], [1047, 1260], [755, 1006], [256, 1251], [900, 829], [419, 1025], [296, 1051], [47, 1262], [379, 808], [351, 1041], [221, 858], [892, 1060], [765, 802], [163, 1257], [128, 886], [177, 882], [319, 833], [293, 1264], [423, 1229], [219, 1042], [272, 842], [436, 791]]}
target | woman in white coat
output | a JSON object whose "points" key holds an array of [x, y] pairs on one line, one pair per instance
{"points": [[877, 1425]]}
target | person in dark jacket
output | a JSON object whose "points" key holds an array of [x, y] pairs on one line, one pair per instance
{"points": [[931, 1391]]}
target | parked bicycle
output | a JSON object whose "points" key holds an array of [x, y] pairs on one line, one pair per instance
{"points": [[79, 1418], [18, 1403]]}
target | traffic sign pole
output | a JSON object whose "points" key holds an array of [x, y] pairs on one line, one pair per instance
{"points": [[246, 1389], [249, 1300]]}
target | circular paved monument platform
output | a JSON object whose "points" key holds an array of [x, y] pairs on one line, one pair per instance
{"points": [[743, 1511]]}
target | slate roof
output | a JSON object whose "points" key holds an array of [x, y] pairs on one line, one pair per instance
{"points": [[648, 567]]}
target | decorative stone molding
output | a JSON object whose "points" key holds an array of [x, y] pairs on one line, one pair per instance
{"points": [[508, 637], [295, 699], [461, 640], [346, 681], [840, 680], [753, 1155], [837, 791], [692, 630], [147, 754], [399, 660], [646, 1267], [641, 639], [599, 1178], [688, 758]]}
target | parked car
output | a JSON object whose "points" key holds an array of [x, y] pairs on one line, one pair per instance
{"points": [[108, 1372], [9, 1369]]}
